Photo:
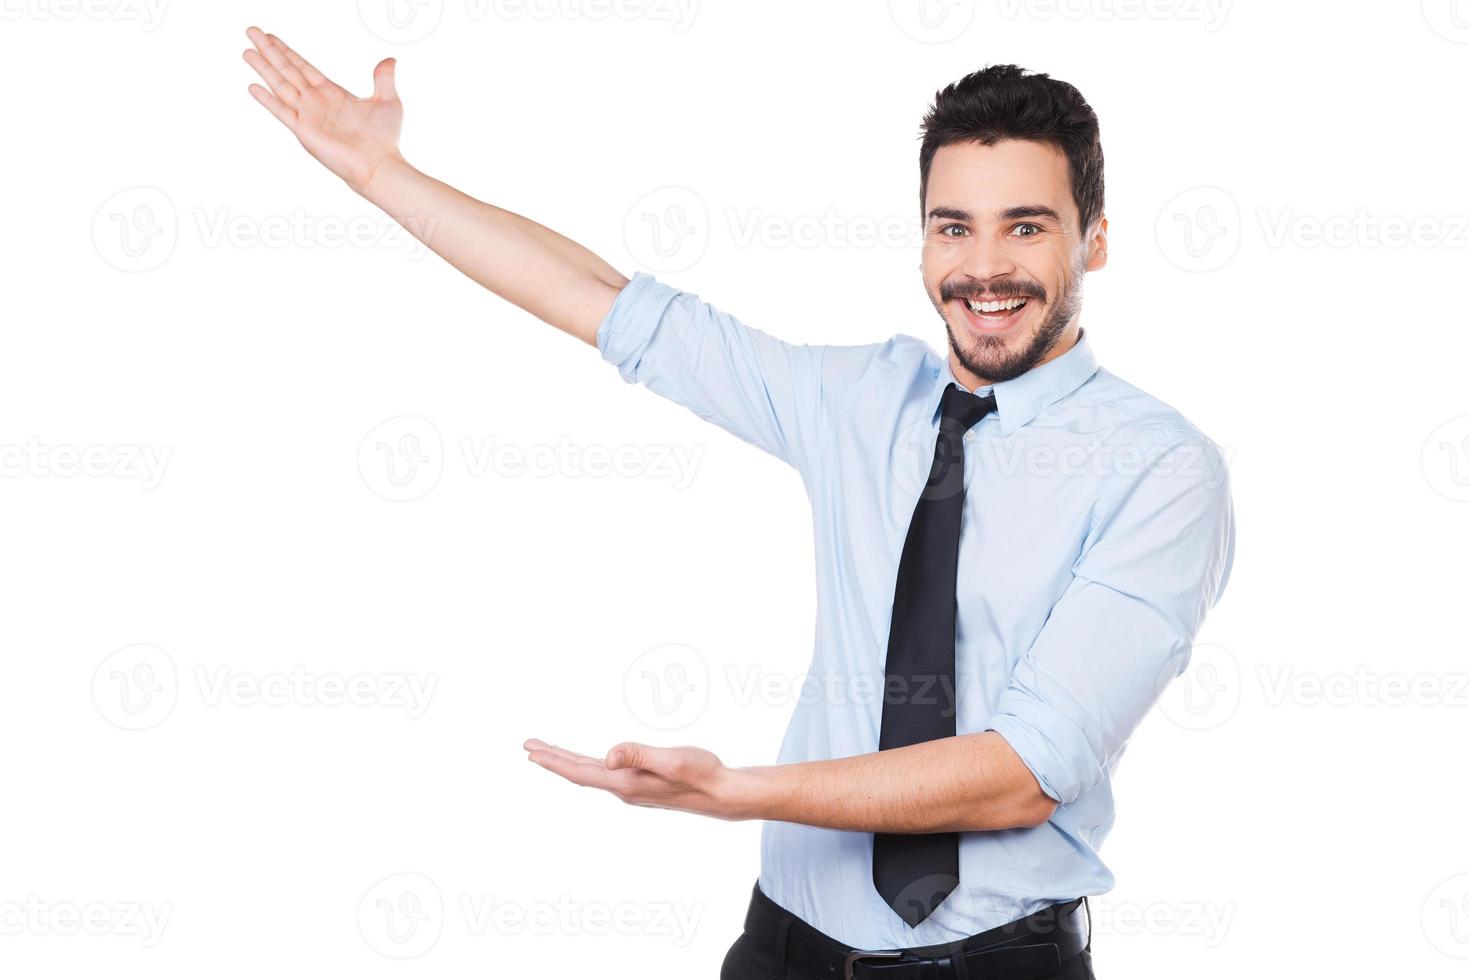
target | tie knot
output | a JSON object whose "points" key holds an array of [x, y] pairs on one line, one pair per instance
{"points": [[965, 408]]}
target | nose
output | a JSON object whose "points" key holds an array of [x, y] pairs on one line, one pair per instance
{"points": [[986, 259]]}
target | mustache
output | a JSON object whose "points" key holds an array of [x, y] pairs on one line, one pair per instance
{"points": [[998, 289]]}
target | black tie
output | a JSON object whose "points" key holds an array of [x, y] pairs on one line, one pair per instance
{"points": [[914, 873]]}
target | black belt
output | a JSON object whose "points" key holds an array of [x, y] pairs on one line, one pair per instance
{"points": [[1026, 949]]}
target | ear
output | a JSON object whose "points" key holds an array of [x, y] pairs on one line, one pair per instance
{"points": [[1096, 246]]}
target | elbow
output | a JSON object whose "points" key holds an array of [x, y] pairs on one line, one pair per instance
{"points": [[1035, 809]]}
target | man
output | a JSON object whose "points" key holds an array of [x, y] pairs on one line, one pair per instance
{"points": [[1015, 548]]}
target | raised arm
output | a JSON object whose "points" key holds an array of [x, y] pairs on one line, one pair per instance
{"points": [[540, 271]]}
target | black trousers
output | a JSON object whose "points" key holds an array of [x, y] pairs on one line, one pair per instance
{"points": [[748, 960]]}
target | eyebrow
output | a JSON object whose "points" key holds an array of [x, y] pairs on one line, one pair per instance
{"points": [[1014, 213]]}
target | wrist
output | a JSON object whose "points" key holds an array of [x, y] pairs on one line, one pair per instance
{"points": [[752, 792], [377, 183]]}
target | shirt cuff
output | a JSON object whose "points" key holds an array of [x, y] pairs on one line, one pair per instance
{"points": [[625, 331], [1054, 749]]}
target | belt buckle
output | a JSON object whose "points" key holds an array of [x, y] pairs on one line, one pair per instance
{"points": [[866, 954]]}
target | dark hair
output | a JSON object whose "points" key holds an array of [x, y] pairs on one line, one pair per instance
{"points": [[1005, 102]]}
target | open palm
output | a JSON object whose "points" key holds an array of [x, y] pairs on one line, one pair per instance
{"points": [[352, 137]]}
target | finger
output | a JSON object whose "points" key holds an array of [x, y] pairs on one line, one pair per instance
{"points": [[306, 68], [283, 90], [383, 84], [278, 109], [633, 755], [596, 777], [536, 744], [278, 60]]}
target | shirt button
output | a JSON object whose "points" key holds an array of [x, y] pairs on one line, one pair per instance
{"points": [[969, 437]]}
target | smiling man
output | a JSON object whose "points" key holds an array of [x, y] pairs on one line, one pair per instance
{"points": [[1014, 547]]}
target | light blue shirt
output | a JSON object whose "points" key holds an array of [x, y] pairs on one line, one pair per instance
{"points": [[1097, 530]]}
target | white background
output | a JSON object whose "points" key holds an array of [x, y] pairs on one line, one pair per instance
{"points": [[1288, 244]]}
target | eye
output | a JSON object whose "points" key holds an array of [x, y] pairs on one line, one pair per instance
{"points": [[944, 231], [1034, 230]]}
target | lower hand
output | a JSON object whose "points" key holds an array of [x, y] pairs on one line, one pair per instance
{"points": [[681, 778]]}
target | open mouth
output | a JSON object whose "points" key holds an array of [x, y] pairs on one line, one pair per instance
{"points": [[994, 315]]}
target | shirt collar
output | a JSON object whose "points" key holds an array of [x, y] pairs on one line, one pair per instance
{"points": [[1021, 399]]}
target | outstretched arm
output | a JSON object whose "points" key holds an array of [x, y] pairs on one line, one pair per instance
{"points": [[966, 782], [543, 273]]}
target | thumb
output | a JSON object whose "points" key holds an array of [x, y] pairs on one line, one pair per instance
{"points": [[382, 79], [630, 755]]}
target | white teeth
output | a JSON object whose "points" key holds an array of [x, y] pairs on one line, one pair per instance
{"points": [[997, 306]]}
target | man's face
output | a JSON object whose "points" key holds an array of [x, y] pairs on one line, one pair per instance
{"points": [[1001, 228]]}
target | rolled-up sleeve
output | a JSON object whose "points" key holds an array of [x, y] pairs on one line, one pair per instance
{"points": [[764, 390], [1157, 558]]}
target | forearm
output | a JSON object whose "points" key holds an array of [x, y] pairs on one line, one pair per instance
{"points": [[967, 782], [540, 271]]}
